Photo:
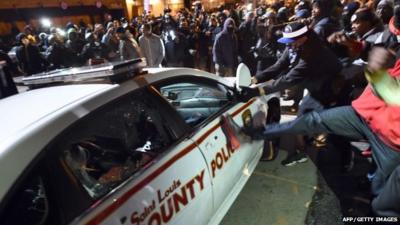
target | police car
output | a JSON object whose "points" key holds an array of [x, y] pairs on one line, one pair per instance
{"points": [[123, 145]]}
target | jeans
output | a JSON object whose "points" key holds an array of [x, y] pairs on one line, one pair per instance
{"points": [[342, 121], [387, 203]]}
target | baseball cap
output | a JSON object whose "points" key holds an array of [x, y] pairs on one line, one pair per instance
{"points": [[292, 32]]}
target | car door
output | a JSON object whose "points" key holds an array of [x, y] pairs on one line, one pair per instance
{"points": [[30, 200], [129, 159], [201, 102]]}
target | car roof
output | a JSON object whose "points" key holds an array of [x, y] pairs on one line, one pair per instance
{"points": [[19, 111]]}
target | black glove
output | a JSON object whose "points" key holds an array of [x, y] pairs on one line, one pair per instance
{"points": [[247, 93]]}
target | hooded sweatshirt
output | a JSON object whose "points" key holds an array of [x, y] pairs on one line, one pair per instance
{"points": [[225, 50]]}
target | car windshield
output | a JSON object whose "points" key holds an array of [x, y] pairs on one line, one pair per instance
{"points": [[185, 91]]}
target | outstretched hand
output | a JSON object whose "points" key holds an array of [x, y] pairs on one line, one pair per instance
{"points": [[248, 93]]}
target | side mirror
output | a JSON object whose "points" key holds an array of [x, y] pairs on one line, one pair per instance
{"points": [[243, 76]]}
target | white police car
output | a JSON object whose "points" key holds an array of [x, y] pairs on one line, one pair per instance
{"points": [[139, 148]]}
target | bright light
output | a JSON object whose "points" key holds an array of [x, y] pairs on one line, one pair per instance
{"points": [[45, 22], [249, 7], [130, 2], [61, 32]]}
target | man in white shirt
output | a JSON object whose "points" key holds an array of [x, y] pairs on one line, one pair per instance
{"points": [[152, 47]]}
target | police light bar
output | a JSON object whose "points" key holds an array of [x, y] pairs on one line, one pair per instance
{"points": [[114, 72]]}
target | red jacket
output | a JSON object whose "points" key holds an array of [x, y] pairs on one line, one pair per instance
{"points": [[383, 119]]}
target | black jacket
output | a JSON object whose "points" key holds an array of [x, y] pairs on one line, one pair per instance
{"points": [[30, 59], [7, 85], [315, 67], [225, 49], [59, 56]]}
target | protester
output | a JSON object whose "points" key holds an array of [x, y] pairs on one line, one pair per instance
{"points": [[266, 50], [128, 47], [152, 47], [367, 28], [384, 11], [57, 55], [247, 39], [94, 52], [368, 117], [225, 50], [323, 23], [29, 57]]}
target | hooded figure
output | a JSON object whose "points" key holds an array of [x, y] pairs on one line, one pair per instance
{"points": [[225, 50], [323, 24]]}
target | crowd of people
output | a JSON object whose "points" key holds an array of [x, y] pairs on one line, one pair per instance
{"points": [[320, 45], [350, 68]]}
